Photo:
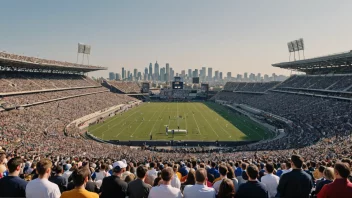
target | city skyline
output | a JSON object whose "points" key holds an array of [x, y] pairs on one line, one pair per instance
{"points": [[158, 73]]}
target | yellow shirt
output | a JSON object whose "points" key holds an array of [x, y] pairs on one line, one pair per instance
{"points": [[79, 193], [179, 175], [217, 179]]}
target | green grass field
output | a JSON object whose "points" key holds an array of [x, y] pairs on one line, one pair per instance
{"points": [[203, 121]]}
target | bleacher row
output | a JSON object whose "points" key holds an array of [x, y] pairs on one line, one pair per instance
{"points": [[249, 86], [126, 87]]}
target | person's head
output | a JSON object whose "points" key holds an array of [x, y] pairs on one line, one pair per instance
{"points": [[119, 167], [321, 171], [222, 170], [226, 189], [329, 174], [103, 167], [252, 171], [244, 166], [14, 165], [191, 177], [269, 168], [213, 164], [175, 168], [296, 161], [80, 176], [283, 166], [44, 168], [167, 174], [230, 172], [59, 169], [201, 175], [152, 165], [130, 178], [342, 170], [141, 172]]}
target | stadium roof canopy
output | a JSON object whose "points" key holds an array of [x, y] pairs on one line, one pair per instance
{"points": [[21, 65], [335, 63]]}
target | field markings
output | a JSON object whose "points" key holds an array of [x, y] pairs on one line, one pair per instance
{"points": [[184, 112], [207, 121], [115, 118], [196, 123], [159, 116], [210, 111]]}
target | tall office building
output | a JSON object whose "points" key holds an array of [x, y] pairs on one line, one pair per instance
{"points": [[135, 73], [167, 72], [128, 75], [162, 74], [229, 76], [123, 73], [172, 74], [156, 71], [239, 77], [245, 76], [111, 76], [252, 77], [190, 73], [266, 77], [146, 74], [139, 76], [210, 73], [117, 76], [216, 77], [203, 73], [220, 75], [259, 77], [150, 71], [183, 74]]}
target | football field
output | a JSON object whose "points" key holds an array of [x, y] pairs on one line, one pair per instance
{"points": [[198, 121]]}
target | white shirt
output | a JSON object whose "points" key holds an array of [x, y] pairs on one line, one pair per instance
{"points": [[271, 181], [175, 182], [42, 188], [216, 185], [165, 191], [101, 175], [151, 175], [286, 171], [198, 190], [66, 174]]}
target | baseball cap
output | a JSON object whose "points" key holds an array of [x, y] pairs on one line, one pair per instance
{"points": [[118, 166]]}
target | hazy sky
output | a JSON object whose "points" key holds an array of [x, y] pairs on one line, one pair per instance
{"points": [[236, 36]]}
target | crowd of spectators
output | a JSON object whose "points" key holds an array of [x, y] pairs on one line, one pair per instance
{"points": [[18, 100], [138, 173], [324, 82], [126, 87], [41, 61], [29, 81], [174, 93], [249, 86]]}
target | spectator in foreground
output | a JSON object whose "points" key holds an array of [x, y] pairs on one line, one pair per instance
{"points": [[226, 189], [114, 186], [59, 179], [223, 175], [42, 187], [80, 178], [200, 189], [328, 178], [138, 188], [270, 180], [341, 187], [296, 183], [12, 185], [165, 189], [252, 188]]}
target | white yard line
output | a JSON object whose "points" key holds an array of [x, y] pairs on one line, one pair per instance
{"points": [[159, 116], [220, 125], [207, 122], [196, 123]]}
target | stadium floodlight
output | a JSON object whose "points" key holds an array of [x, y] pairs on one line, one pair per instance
{"points": [[290, 47], [300, 44], [83, 49], [295, 45]]}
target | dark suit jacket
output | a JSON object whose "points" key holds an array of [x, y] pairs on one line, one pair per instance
{"points": [[138, 189], [296, 183], [113, 186]]}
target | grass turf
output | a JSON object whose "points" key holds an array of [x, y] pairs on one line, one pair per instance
{"points": [[203, 121]]}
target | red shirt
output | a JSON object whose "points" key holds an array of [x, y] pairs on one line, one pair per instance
{"points": [[340, 188]]}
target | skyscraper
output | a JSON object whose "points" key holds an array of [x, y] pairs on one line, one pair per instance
{"points": [[203, 73], [139, 76], [156, 71], [150, 71], [128, 74], [167, 72], [210, 73], [229, 75], [216, 77], [145, 73], [190, 73], [111, 76], [162, 74], [220, 76], [245, 76], [135, 73], [123, 73]]}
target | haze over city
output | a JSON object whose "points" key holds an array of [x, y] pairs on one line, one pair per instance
{"points": [[229, 36]]}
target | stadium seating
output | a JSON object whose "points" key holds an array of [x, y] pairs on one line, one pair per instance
{"points": [[249, 86], [126, 87]]}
